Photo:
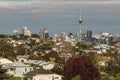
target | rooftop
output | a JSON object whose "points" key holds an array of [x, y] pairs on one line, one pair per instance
{"points": [[38, 71], [5, 61]]}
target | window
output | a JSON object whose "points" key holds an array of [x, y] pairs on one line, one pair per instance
{"points": [[30, 69], [52, 77], [31, 78], [12, 69], [25, 69], [56, 77]]}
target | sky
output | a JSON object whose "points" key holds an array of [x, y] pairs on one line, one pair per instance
{"points": [[60, 15]]}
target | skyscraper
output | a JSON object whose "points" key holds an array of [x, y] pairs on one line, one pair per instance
{"points": [[26, 32], [89, 34], [16, 32], [63, 36], [44, 35]]}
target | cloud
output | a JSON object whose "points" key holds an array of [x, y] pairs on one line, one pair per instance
{"points": [[57, 13], [19, 3], [53, 6]]}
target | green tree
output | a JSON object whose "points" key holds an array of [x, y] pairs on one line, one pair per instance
{"points": [[35, 35], [20, 50], [15, 78], [113, 67], [80, 47], [6, 49], [52, 54], [76, 77], [3, 36], [57, 70], [3, 76]]}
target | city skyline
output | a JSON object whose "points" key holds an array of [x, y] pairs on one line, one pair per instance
{"points": [[60, 15]]}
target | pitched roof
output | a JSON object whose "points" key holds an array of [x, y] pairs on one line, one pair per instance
{"points": [[33, 62], [17, 64], [5, 61], [22, 56], [38, 71]]}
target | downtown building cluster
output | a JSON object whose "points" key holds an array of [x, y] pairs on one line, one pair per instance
{"points": [[89, 37]]}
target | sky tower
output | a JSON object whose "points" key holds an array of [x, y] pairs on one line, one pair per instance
{"points": [[80, 22]]}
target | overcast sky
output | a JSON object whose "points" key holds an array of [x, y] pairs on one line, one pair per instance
{"points": [[60, 15]]}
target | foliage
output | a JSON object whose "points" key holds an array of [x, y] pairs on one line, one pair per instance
{"points": [[106, 78], [52, 55], [113, 67], [2, 74], [15, 78], [34, 65], [35, 35], [6, 49], [116, 77], [52, 59], [46, 46], [3, 36], [11, 58], [58, 70], [20, 50], [34, 57], [80, 66], [76, 77], [81, 45]]}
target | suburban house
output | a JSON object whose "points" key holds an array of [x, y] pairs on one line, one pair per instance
{"points": [[46, 77], [44, 64], [17, 69], [64, 47], [48, 65], [22, 58], [41, 74], [103, 63], [37, 62]]}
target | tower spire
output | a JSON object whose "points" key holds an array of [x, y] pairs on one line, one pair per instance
{"points": [[80, 22]]}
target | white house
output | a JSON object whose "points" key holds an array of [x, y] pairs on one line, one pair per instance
{"points": [[17, 69], [103, 63], [46, 77], [22, 58], [48, 65], [41, 74], [37, 62], [44, 64]]}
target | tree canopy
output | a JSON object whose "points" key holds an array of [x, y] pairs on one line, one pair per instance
{"points": [[81, 66]]}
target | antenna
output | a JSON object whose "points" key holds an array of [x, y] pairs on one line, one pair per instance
{"points": [[80, 22]]}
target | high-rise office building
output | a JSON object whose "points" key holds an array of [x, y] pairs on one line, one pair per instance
{"points": [[89, 34], [16, 32], [44, 35], [26, 32], [63, 36]]}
